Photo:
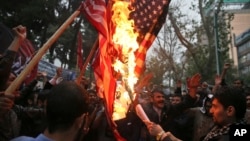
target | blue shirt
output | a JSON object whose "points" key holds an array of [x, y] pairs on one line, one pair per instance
{"points": [[40, 137]]}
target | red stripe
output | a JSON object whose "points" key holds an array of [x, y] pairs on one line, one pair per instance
{"points": [[96, 13], [99, 14], [26, 49], [142, 52]]}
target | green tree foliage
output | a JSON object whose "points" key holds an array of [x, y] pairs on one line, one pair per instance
{"points": [[42, 18], [198, 37]]}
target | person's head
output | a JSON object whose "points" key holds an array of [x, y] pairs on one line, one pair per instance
{"points": [[204, 85], [184, 93], [238, 83], [247, 93], [207, 104], [248, 101], [66, 104], [228, 105], [93, 98], [59, 71], [42, 98], [158, 98], [176, 99]]}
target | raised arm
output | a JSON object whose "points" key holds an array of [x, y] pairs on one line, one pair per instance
{"points": [[192, 84], [218, 80], [20, 35], [225, 68], [6, 59]]}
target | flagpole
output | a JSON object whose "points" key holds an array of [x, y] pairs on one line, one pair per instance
{"points": [[17, 82], [82, 71]]}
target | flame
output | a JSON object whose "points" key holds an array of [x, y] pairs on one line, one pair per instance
{"points": [[124, 37]]}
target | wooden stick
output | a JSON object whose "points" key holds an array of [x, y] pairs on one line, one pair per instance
{"points": [[17, 82], [79, 78]]}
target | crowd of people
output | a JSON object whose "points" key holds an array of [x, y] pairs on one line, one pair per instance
{"points": [[66, 111]]}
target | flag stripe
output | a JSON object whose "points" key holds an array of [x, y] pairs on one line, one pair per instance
{"points": [[95, 11], [148, 15]]}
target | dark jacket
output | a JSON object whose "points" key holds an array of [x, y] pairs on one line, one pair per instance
{"points": [[6, 61], [178, 120], [10, 123], [174, 118]]}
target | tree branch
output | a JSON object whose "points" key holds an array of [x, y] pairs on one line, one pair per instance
{"points": [[183, 40]]}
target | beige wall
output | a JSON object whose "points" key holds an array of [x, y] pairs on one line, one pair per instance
{"points": [[240, 23]]}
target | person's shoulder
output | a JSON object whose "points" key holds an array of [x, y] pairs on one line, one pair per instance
{"points": [[146, 105], [23, 138], [247, 116], [40, 137]]}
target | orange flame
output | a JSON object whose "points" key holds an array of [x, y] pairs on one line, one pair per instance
{"points": [[124, 37]]}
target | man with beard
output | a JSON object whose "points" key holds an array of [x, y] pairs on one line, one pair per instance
{"points": [[154, 111], [228, 109], [164, 115]]}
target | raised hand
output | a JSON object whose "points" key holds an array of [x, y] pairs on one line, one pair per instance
{"points": [[217, 80], [193, 83], [6, 102], [20, 32], [20, 36], [226, 66]]}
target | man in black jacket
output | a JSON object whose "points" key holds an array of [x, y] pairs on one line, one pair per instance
{"points": [[228, 109]]}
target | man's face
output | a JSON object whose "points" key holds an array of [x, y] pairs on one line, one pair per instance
{"points": [[93, 98], [158, 100], [176, 100], [59, 71], [238, 84], [219, 113]]}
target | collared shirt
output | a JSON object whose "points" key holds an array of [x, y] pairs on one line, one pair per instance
{"points": [[40, 137]]}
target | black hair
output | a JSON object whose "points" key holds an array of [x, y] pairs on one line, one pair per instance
{"points": [[247, 91], [239, 79], [43, 94], [66, 102], [231, 96], [157, 90], [178, 95]]}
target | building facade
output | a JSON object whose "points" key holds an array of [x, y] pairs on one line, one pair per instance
{"points": [[242, 44], [239, 24]]}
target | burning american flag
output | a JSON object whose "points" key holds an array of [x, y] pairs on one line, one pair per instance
{"points": [[126, 29]]}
